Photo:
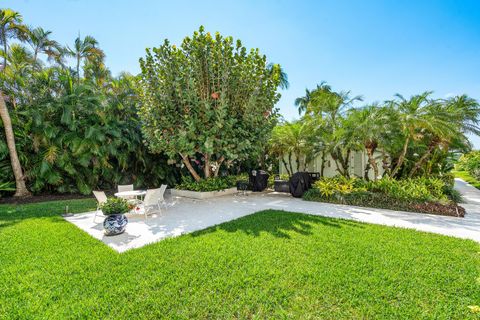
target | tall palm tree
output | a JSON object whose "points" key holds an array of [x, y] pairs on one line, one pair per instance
{"points": [[39, 40], [85, 49], [10, 27], [21, 188]]}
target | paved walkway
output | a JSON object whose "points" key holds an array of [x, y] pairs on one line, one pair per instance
{"points": [[188, 215]]}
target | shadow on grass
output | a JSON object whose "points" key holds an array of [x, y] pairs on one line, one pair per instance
{"points": [[11, 214], [278, 223]]}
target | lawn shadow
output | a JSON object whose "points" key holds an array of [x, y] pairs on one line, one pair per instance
{"points": [[11, 214], [278, 223]]}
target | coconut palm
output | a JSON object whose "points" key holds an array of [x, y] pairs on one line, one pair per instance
{"points": [[85, 49]]}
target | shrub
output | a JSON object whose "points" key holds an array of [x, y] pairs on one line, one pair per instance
{"points": [[115, 206], [210, 184], [379, 200], [470, 162], [429, 195]]}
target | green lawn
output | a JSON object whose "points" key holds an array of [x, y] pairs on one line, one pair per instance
{"points": [[272, 264], [465, 176]]}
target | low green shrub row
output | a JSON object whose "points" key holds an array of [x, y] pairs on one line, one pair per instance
{"points": [[210, 184], [429, 195], [418, 189]]}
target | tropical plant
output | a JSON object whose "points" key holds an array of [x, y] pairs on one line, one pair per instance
{"points": [[85, 49], [208, 100], [115, 206], [39, 40]]}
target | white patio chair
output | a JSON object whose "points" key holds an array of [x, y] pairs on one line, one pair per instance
{"points": [[154, 200], [101, 199], [125, 187]]}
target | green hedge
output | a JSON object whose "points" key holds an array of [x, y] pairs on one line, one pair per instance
{"points": [[210, 184]]}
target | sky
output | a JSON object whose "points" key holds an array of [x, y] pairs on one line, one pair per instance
{"points": [[371, 48]]}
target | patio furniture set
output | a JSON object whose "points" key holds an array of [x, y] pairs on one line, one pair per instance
{"points": [[144, 201]]}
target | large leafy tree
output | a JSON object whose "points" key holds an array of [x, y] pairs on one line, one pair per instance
{"points": [[210, 97]]}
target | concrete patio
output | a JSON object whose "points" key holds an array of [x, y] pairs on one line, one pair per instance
{"points": [[187, 215]]}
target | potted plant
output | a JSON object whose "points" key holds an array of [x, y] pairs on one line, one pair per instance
{"points": [[116, 221]]}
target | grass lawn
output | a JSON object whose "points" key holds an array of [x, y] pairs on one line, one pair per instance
{"points": [[465, 176], [272, 264]]}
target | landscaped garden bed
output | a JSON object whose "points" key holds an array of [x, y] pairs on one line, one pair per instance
{"points": [[433, 196]]}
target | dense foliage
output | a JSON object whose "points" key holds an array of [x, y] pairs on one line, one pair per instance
{"points": [[470, 162], [404, 137], [272, 264], [429, 195], [208, 102], [115, 206], [76, 129]]}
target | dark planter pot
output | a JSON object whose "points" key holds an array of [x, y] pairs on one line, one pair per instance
{"points": [[115, 224]]}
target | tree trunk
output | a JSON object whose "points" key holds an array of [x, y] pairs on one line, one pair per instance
{"points": [[366, 171], [339, 166], [297, 161], [420, 161], [192, 171], [219, 164], [78, 69], [286, 166], [322, 168], [290, 162], [5, 55], [372, 162], [21, 188], [207, 169], [401, 158]]}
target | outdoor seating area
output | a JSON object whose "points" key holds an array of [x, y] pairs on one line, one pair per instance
{"points": [[143, 202], [186, 215]]}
